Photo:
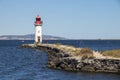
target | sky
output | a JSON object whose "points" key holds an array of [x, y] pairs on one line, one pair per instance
{"points": [[74, 19]]}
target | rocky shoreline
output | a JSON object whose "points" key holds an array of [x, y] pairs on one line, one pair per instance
{"points": [[61, 59]]}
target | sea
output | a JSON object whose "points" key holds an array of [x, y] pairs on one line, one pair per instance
{"points": [[18, 63]]}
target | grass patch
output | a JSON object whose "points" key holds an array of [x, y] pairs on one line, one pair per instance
{"points": [[84, 53], [81, 52], [112, 53]]}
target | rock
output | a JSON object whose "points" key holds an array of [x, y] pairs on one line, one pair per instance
{"points": [[66, 55], [60, 59]]}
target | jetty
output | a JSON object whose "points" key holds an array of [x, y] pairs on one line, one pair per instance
{"points": [[70, 58]]}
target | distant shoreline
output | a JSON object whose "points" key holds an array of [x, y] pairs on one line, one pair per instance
{"points": [[63, 39], [45, 37]]}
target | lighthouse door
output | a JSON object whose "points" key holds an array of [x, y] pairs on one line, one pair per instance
{"points": [[38, 38]]}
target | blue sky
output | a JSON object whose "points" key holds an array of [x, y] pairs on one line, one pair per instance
{"points": [[77, 19]]}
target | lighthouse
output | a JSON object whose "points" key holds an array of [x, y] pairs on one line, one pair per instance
{"points": [[38, 30]]}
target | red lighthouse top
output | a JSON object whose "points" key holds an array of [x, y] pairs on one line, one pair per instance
{"points": [[38, 20]]}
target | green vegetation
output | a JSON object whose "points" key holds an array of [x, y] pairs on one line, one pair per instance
{"points": [[80, 52], [84, 53], [36, 43], [112, 53]]}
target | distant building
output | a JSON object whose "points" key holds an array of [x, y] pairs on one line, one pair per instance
{"points": [[38, 30]]}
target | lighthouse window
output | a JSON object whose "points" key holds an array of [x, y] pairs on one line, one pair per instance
{"points": [[37, 19], [38, 38]]}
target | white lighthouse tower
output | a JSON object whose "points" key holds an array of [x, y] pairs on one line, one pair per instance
{"points": [[38, 30]]}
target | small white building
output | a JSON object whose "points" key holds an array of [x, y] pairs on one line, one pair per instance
{"points": [[38, 30]]}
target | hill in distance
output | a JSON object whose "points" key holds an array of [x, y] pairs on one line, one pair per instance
{"points": [[29, 37]]}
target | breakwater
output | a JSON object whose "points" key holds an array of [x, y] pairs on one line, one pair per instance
{"points": [[76, 59]]}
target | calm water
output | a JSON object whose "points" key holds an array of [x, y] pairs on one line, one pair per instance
{"points": [[30, 64]]}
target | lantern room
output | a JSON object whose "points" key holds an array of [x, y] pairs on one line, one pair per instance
{"points": [[38, 21]]}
